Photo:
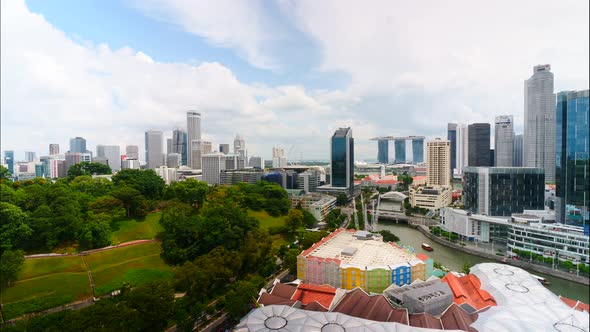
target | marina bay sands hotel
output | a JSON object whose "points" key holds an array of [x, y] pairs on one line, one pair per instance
{"points": [[400, 148]]}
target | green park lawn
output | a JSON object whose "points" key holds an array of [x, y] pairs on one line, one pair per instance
{"points": [[130, 230], [53, 281], [267, 221]]}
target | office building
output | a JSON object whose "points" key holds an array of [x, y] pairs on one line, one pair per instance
{"points": [[234, 161], [501, 191], [232, 177], [132, 152], [317, 204], [364, 261], [438, 159], [9, 160], [54, 166], [517, 157], [383, 151], [503, 141], [77, 144], [342, 160], [168, 174], [130, 164], [30, 156], [72, 158], [113, 155], [169, 146], [240, 146], [206, 147], [173, 160], [309, 180], [278, 157], [256, 162], [417, 149], [180, 145], [478, 145], [400, 151], [53, 149], [572, 171], [462, 157], [539, 122], [193, 140], [452, 137], [432, 197], [224, 148], [213, 164], [39, 170], [154, 149]]}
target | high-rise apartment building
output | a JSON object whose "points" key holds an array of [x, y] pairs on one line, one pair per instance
{"points": [[572, 158], [452, 137], [478, 145], [383, 151], [206, 147], [342, 160], [132, 152], [213, 164], [113, 155], [179, 145], [154, 149], [517, 157], [539, 121], [462, 148], [77, 144], [193, 141], [278, 157], [224, 148], [53, 149], [30, 156], [438, 159], [504, 141]]}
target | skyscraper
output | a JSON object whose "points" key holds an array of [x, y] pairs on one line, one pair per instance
{"points": [[478, 145], [517, 158], [418, 150], [9, 160], [193, 140], [462, 148], [213, 164], [169, 148], [342, 160], [383, 151], [179, 145], [452, 137], [438, 159], [132, 152], [224, 148], [400, 151], [29, 156], [113, 155], [240, 146], [539, 121], [173, 160], [504, 141], [572, 158], [77, 144], [207, 147], [154, 149], [53, 149]]}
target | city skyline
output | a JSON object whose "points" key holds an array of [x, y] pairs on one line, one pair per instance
{"points": [[131, 85]]}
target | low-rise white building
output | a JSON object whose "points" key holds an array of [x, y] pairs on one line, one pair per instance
{"points": [[432, 198]]}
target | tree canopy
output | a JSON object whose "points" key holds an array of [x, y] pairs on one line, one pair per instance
{"points": [[86, 168]]}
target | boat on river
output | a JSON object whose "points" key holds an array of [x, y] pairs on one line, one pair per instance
{"points": [[427, 247], [541, 280]]}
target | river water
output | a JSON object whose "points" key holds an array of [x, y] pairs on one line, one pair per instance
{"points": [[454, 259]]}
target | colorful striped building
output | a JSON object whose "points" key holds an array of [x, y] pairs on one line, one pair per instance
{"points": [[349, 259]]}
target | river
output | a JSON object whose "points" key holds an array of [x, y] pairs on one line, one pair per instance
{"points": [[454, 259]]}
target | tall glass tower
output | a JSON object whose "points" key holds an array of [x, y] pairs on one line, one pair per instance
{"points": [[478, 144], [452, 137], [383, 151], [504, 141], [77, 144], [193, 141], [342, 153], [400, 151], [418, 150], [572, 158]]}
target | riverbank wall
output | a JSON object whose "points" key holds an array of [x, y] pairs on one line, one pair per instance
{"points": [[501, 259]]}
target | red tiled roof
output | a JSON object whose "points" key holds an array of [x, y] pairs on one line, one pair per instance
{"points": [[467, 289], [577, 305], [422, 257], [425, 320], [269, 299], [307, 293], [314, 306], [455, 318], [386, 181], [283, 290]]}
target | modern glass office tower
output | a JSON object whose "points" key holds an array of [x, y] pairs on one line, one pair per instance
{"points": [[452, 137], [539, 121], [342, 153], [504, 141], [77, 144], [418, 150], [9, 160], [501, 191], [179, 144], [572, 158], [517, 157], [478, 145], [154, 148], [400, 151], [383, 151], [193, 140], [113, 155]]}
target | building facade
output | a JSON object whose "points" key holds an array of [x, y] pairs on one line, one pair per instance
{"points": [[452, 137], [438, 160], [400, 151], [180, 145], [432, 198], [77, 144], [9, 160], [213, 164], [256, 162], [224, 148], [232, 177], [193, 131], [503, 141], [478, 145], [502, 191], [539, 121], [462, 148], [517, 157], [383, 151], [132, 152], [572, 158], [342, 160], [417, 150], [154, 149], [53, 149], [113, 155], [30, 156]]}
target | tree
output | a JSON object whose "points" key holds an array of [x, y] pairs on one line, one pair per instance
{"points": [[308, 219], [13, 228], [466, 268], [309, 238], [290, 261], [108, 205], [11, 264], [94, 187], [294, 220], [388, 236], [239, 300], [149, 184], [341, 199], [86, 168], [4, 175], [132, 200], [190, 191], [154, 302]]}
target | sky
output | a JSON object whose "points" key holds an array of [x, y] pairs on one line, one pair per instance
{"points": [[279, 73]]}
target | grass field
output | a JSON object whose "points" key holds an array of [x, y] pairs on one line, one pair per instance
{"points": [[53, 281], [267, 221], [130, 230]]}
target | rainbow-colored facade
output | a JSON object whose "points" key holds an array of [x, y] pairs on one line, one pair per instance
{"points": [[349, 259]]}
